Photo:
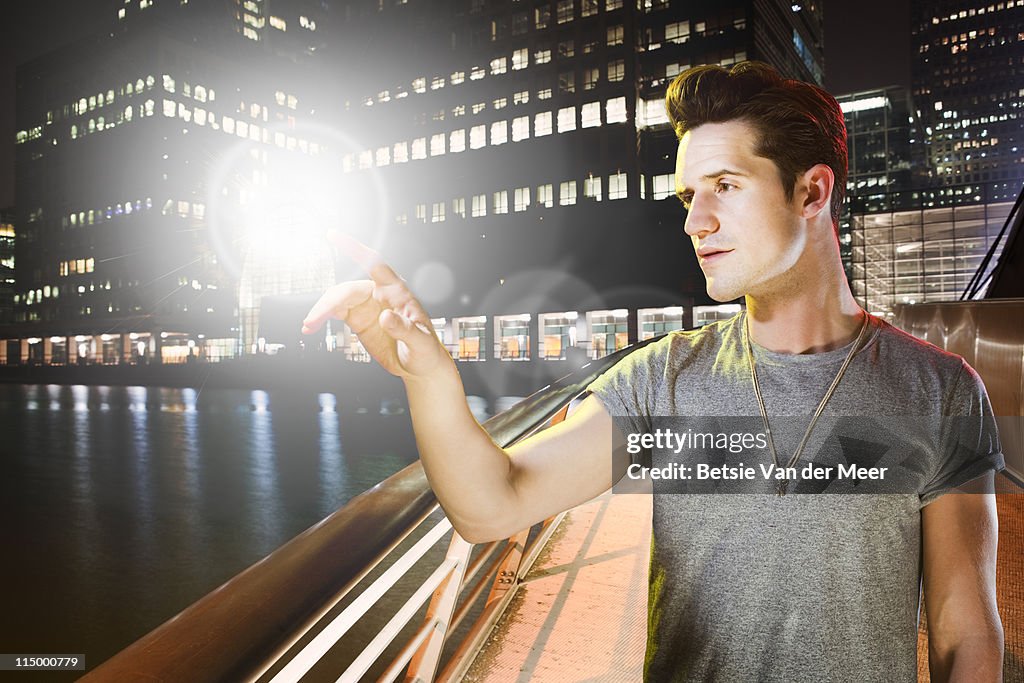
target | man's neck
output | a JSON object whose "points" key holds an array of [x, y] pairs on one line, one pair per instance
{"points": [[818, 317]]}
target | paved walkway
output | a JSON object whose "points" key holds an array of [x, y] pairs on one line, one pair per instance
{"points": [[581, 613]]}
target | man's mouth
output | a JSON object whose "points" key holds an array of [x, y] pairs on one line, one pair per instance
{"points": [[707, 255]]}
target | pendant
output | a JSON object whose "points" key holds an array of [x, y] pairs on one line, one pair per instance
{"points": [[782, 486]]}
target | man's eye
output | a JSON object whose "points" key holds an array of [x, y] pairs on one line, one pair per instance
{"points": [[724, 187]]}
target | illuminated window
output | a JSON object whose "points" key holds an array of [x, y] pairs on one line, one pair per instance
{"points": [[544, 94], [479, 107], [664, 185], [437, 83], [500, 103], [459, 110], [615, 110], [617, 186], [677, 32], [588, 8], [566, 119], [610, 5], [563, 11], [545, 196], [477, 73], [566, 48], [520, 128], [421, 213], [542, 17], [592, 188], [616, 70], [567, 82], [401, 152], [307, 23], [437, 212], [499, 132], [479, 205], [590, 78], [499, 201], [419, 148], [168, 84], [520, 59], [653, 111], [615, 35], [542, 124], [419, 84], [477, 137], [279, 23], [250, 33], [521, 97], [459, 207], [499, 65], [567, 193], [437, 144], [542, 56], [383, 156], [457, 77], [522, 199], [457, 141]]}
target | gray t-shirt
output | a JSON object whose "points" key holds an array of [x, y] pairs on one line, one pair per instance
{"points": [[802, 587]]}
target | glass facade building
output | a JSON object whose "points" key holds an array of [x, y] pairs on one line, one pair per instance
{"points": [[923, 246]]}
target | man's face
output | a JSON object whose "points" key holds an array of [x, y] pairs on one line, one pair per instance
{"points": [[747, 235]]}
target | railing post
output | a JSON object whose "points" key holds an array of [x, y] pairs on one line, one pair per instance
{"points": [[423, 666], [508, 571]]}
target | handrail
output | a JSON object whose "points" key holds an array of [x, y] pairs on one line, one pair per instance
{"points": [[240, 630]]}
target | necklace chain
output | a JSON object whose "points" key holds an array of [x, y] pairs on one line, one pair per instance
{"points": [[784, 483]]}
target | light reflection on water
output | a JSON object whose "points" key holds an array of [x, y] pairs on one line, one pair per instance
{"points": [[126, 504]]}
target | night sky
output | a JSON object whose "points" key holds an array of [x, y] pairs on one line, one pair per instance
{"points": [[867, 45]]}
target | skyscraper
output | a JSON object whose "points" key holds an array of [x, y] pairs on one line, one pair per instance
{"points": [[968, 87]]}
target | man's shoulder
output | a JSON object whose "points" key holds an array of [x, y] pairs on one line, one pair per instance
{"points": [[913, 354]]}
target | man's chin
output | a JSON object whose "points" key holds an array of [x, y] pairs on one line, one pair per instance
{"points": [[722, 294]]}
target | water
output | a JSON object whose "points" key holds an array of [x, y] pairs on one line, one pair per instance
{"points": [[123, 505]]}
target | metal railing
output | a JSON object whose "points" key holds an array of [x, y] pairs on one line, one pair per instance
{"points": [[278, 618]]}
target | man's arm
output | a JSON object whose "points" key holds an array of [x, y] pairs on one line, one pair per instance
{"points": [[487, 492], [965, 635]]}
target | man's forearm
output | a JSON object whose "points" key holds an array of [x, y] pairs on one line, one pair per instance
{"points": [[979, 658], [467, 470]]}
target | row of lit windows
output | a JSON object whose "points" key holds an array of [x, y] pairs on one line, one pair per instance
{"points": [[544, 123], [96, 216], [242, 129], [76, 266], [87, 104], [964, 13], [520, 60], [498, 202]]}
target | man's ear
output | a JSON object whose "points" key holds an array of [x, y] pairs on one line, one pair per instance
{"points": [[816, 183]]}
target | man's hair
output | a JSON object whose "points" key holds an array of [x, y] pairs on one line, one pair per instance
{"points": [[798, 124]]}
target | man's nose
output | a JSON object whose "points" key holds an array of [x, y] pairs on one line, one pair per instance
{"points": [[700, 219]]}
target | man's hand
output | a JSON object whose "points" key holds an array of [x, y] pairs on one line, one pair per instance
{"points": [[383, 313]]}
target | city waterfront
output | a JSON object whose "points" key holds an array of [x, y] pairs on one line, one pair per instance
{"points": [[126, 504]]}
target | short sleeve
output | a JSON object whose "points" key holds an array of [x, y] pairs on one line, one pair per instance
{"points": [[968, 437], [628, 389]]}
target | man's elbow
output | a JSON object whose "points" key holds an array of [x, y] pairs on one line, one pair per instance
{"points": [[978, 657]]}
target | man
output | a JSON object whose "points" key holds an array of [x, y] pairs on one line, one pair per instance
{"points": [[788, 587]]}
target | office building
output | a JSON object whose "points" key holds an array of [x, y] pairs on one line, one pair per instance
{"points": [[513, 160], [968, 88]]}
